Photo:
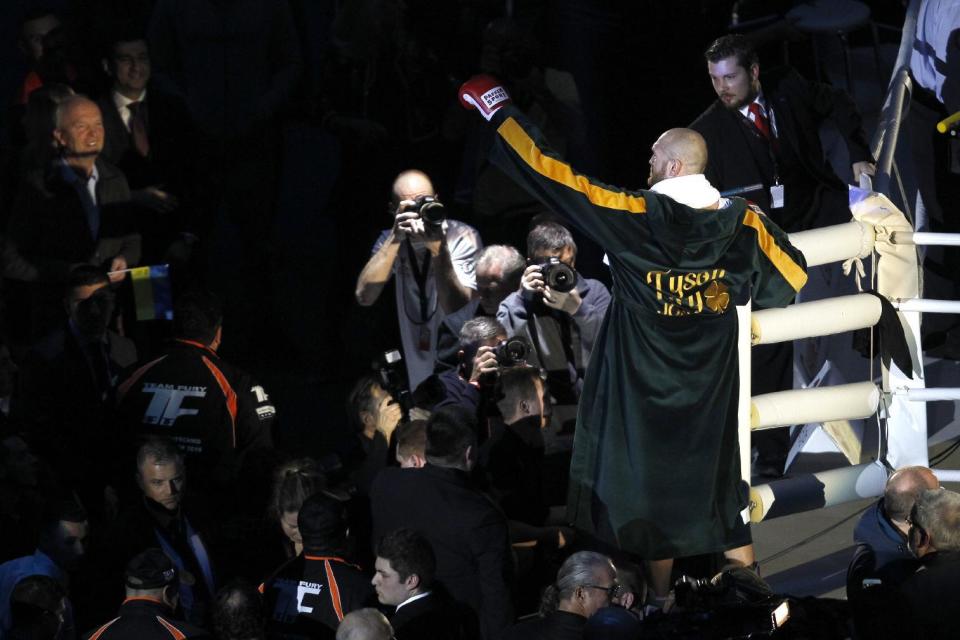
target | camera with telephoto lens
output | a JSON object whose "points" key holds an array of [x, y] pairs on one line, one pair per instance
{"points": [[557, 275], [512, 352], [430, 210]]}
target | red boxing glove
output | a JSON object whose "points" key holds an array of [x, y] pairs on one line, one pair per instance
{"points": [[485, 94]]}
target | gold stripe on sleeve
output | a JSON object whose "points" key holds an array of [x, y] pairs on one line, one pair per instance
{"points": [[558, 171], [790, 270]]}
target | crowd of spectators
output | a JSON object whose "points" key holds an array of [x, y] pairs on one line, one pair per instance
{"points": [[145, 489]]}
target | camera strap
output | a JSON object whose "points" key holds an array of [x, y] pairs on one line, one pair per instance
{"points": [[420, 274]]}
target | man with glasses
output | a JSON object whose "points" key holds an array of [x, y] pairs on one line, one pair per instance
{"points": [[586, 583], [933, 591]]}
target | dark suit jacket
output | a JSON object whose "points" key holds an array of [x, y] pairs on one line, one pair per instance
{"points": [[739, 156], [49, 220], [556, 625], [167, 132], [429, 617], [932, 595], [468, 534], [64, 406]]}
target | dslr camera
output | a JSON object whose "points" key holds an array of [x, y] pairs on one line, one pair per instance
{"points": [[429, 209], [512, 352], [558, 275], [393, 378]]}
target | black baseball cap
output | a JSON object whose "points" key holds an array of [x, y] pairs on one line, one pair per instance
{"points": [[151, 569]]}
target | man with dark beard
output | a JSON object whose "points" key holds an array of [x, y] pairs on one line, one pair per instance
{"points": [[763, 145], [762, 138]]}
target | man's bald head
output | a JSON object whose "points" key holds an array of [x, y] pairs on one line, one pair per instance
{"points": [[677, 152], [410, 184], [902, 490]]}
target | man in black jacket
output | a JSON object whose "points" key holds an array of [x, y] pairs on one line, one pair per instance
{"points": [[68, 386], [934, 589], [404, 579], [147, 612], [160, 518], [586, 582], [215, 412], [308, 596], [77, 210], [763, 142], [467, 532]]}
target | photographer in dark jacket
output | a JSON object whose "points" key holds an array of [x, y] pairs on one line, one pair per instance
{"points": [[559, 315], [476, 372]]}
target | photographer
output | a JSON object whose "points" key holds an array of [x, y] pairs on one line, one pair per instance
{"points": [[433, 259], [483, 351], [557, 311]]}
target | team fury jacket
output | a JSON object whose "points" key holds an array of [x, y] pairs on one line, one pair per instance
{"points": [[212, 410]]}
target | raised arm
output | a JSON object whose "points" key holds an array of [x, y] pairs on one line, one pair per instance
{"points": [[607, 215]]}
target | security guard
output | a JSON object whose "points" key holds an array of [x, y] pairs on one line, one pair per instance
{"points": [[213, 411], [308, 596], [147, 612]]}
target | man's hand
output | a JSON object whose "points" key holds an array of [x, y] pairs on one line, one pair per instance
{"points": [[485, 362], [863, 167], [406, 222], [118, 264], [568, 302], [388, 416], [532, 279], [483, 93]]}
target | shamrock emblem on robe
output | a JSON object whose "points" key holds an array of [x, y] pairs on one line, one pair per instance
{"points": [[717, 297]]}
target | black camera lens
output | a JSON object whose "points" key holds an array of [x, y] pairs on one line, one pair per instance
{"points": [[559, 276], [430, 210], [512, 352]]}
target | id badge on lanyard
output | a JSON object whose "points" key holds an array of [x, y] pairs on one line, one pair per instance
{"points": [[776, 196]]}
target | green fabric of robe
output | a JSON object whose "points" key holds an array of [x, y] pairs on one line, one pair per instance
{"points": [[656, 468]]}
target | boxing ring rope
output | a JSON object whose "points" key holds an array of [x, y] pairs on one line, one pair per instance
{"points": [[878, 230], [926, 238]]}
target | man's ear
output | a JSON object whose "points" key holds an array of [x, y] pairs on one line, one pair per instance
{"points": [[412, 581], [106, 67], [171, 595], [754, 71], [367, 418], [675, 168], [419, 462], [58, 138]]}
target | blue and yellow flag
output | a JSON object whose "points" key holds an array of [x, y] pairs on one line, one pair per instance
{"points": [[151, 292]]}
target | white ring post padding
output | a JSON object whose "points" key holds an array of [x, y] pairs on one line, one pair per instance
{"points": [[927, 305], [932, 394], [817, 318], [823, 404], [947, 475], [926, 239], [835, 243]]}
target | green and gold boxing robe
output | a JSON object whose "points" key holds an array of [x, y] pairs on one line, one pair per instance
{"points": [[656, 467]]}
